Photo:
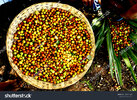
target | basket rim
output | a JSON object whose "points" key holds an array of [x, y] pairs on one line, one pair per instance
{"points": [[47, 85]]}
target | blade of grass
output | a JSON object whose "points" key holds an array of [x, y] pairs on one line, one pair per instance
{"points": [[125, 58]]}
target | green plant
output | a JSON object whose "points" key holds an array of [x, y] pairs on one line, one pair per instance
{"points": [[88, 84], [134, 89], [123, 49]]}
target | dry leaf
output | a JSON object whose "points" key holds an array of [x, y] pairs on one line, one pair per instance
{"points": [[2, 70]]}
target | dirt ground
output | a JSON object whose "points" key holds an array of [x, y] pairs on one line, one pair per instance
{"points": [[98, 77]]}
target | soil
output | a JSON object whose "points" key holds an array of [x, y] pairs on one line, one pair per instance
{"points": [[98, 77]]}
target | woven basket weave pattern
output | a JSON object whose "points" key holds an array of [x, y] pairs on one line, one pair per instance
{"points": [[24, 14]]}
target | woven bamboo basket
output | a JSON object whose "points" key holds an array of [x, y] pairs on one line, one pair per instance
{"points": [[24, 14]]}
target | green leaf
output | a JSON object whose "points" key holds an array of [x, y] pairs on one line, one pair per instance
{"points": [[135, 47], [95, 28], [101, 35], [118, 69], [125, 57], [134, 28], [135, 20], [89, 84], [118, 57], [96, 23], [133, 37], [132, 56], [101, 30], [106, 30], [109, 47], [132, 23], [113, 59], [99, 42]]}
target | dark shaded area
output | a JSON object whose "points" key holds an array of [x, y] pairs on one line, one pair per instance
{"points": [[117, 6], [11, 9]]}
